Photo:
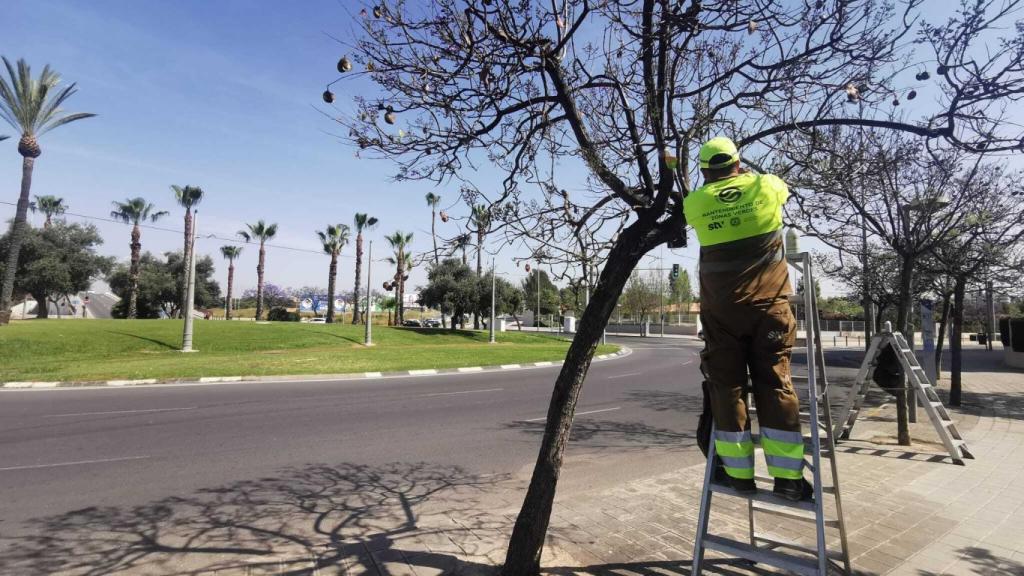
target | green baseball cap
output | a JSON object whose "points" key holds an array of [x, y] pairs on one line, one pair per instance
{"points": [[716, 147]]}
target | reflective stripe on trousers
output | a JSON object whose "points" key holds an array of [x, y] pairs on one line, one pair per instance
{"points": [[784, 452], [736, 449]]}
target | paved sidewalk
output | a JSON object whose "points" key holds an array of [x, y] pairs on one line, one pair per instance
{"points": [[908, 512]]}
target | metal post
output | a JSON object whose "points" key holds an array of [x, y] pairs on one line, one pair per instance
{"points": [[190, 297], [991, 320], [368, 340], [536, 317], [493, 283]]}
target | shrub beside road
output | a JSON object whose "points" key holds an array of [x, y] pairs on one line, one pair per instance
{"points": [[97, 350]]}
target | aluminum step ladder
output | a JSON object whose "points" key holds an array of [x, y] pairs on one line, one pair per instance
{"points": [[922, 386], [762, 547]]}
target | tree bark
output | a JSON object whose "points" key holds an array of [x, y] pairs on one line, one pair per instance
{"points": [[186, 251], [231, 286], [527, 541], [955, 343], [359, 271], [259, 282], [42, 306], [331, 275], [133, 273], [18, 229], [903, 326], [943, 320]]}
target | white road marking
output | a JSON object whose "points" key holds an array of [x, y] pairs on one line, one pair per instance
{"points": [[119, 412], [374, 375], [472, 369], [422, 372], [509, 366], [543, 363], [462, 392], [579, 413], [624, 375], [79, 462]]}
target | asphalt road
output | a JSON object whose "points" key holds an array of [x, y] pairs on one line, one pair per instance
{"points": [[64, 450]]}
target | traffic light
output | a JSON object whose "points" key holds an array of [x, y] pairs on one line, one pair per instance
{"points": [[675, 271]]}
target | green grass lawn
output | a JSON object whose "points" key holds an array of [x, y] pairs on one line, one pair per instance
{"points": [[90, 350]]}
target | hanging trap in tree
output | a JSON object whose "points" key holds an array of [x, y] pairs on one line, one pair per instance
{"points": [[912, 94], [389, 117], [852, 93], [751, 27], [344, 65], [922, 76], [377, 12], [328, 96]]}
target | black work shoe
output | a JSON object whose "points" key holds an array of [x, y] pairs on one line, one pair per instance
{"points": [[794, 490], [743, 485]]}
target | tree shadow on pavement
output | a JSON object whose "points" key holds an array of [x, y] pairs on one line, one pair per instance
{"points": [[612, 434], [981, 561], [665, 401], [316, 519]]}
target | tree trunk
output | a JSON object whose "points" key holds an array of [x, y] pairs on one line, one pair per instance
{"points": [[479, 272], [399, 304], [433, 235], [359, 271], [186, 251], [955, 343], [133, 273], [527, 541], [942, 335], [18, 229], [231, 286], [42, 306], [903, 326], [331, 275], [259, 283]]}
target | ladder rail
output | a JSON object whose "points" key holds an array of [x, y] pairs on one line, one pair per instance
{"points": [[812, 400]]}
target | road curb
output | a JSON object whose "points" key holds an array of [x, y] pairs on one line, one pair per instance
{"points": [[623, 351]]}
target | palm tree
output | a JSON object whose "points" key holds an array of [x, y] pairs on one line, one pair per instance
{"points": [[50, 206], [187, 197], [135, 211], [433, 200], [333, 239], [481, 218], [362, 222], [462, 241], [263, 232], [402, 260], [31, 106], [231, 253]]}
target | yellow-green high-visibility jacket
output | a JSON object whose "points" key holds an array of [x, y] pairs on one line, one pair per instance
{"points": [[738, 222], [735, 208]]}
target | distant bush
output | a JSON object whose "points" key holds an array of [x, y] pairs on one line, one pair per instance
{"points": [[279, 314]]}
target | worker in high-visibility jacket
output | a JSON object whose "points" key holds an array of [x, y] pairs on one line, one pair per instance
{"points": [[747, 320]]}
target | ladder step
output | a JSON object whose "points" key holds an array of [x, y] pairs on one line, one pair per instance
{"points": [[787, 511], [773, 540], [739, 549], [769, 480]]}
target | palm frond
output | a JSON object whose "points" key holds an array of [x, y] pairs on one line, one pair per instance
{"points": [[230, 252], [33, 106]]}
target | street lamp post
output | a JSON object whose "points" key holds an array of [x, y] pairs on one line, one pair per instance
{"points": [[493, 284], [368, 340], [536, 316]]}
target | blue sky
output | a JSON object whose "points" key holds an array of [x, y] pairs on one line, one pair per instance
{"points": [[223, 95]]}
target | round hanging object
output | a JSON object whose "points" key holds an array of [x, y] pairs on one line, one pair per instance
{"points": [[344, 65], [895, 101], [922, 76], [941, 70], [363, 12], [377, 12], [852, 94], [370, 67], [751, 27], [389, 117], [387, 286], [912, 94], [328, 96], [527, 267]]}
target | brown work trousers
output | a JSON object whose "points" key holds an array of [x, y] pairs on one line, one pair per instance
{"points": [[755, 337]]}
